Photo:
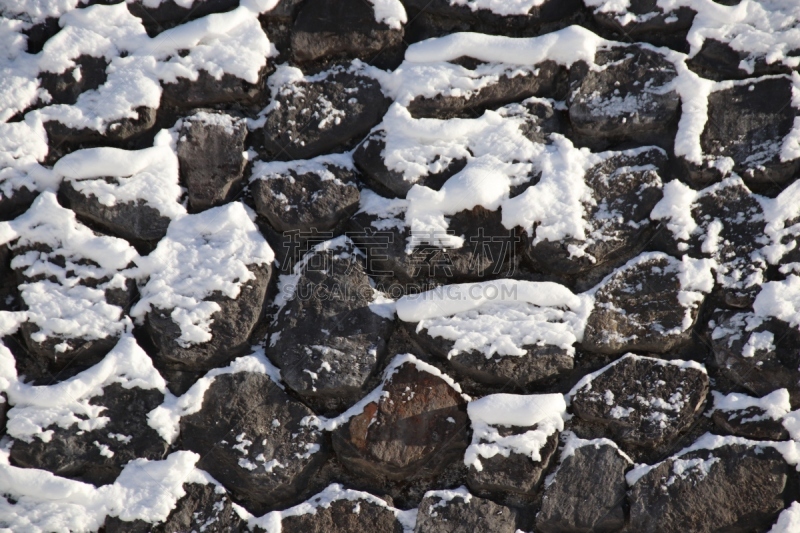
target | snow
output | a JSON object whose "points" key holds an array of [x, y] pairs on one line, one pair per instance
{"points": [[150, 175], [23, 145], [70, 302], [774, 405], [165, 418], [788, 520], [271, 522], [318, 166], [500, 7], [201, 254], [544, 411], [390, 12], [499, 317], [35, 408]]}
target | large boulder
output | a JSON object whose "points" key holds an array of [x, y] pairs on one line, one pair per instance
{"points": [[90, 426], [136, 198], [745, 134], [252, 438], [310, 116], [210, 150], [514, 442], [72, 284], [454, 511], [306, 196], [331, 330], [348, 29], [587, 490], [642, 403], [412, 426], [610, 103], [733, 487], [193, 325], [658, 319]]}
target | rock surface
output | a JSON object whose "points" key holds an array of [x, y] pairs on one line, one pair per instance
{"points": [[456, 511]]}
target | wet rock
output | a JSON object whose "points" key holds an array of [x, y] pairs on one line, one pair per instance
{"points": [[339, 510], [759, 354], [539, 120], [210, 150], [414, 429], [319, 194], [640, 402], [730, 488], [72, 284], [96, 455], [750, 122], [252, 439], [331, 330], [753, 418], [650, 305], [624, 188], [344, 29], [308, 118], [87, 74], [514, 442], [513, 84], [614, 103], [169, 13], [204, 508], [587, 491], [454, 511]]}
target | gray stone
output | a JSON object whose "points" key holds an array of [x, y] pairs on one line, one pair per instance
{"points": [[251, 437], [452, 512], [343, 516]]}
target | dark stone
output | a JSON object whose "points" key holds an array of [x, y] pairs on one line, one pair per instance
{"points": [[587, 492], [733, 488], [642, 403], [614, 104], [765, 369], [77, 453], [312, 118], [117, 130], [207, 90], [517, 473], [231, 328], [751, 422], [414, 430], [639, 308], [252, 439], [326, 339], [136, 222], [650, 23], [210, 152], [545, 79], [624, 189], [440, 512], [344, 29], [202, 509], [343, 516], [747, 123], [169, 14], [305, 198], [88, 74], [17, 202], [716, 60]]}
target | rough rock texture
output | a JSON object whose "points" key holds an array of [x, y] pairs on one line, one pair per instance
{"points": [[612, 104], [344, 516], [624, 188], [437, 514], [733, 488], [647, 21], [118, 130], [329, 337], [415, 429], [625, 318], [306, 199], [210, 150], [312, 118], [207, 90], [343, 29], [251, 438], [748, 123], [88, 73], [716, 60], [587, 492], [642, 403], [203, 508], [752, 423], [97, 456]]}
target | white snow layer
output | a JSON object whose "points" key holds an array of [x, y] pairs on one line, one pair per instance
{"points": [[499, 317], [788, 520], [543, 413], [203, 253]]}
